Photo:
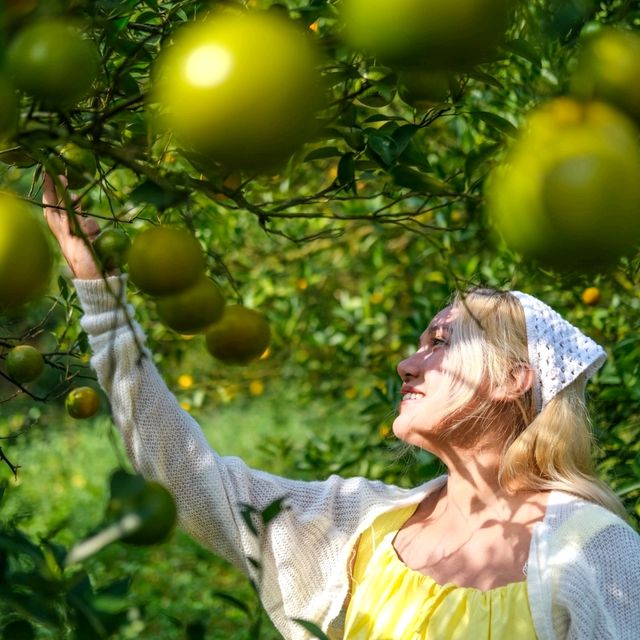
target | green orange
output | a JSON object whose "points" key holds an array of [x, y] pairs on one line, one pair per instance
{"points": [[148, 499], [82, 402], [52, 61], [164, 260], [24, 363], [112, 248], [240, 336], [79, 165], [193, 309]]}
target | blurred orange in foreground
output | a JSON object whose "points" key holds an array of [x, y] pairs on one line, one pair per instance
{"points": [[429, 33], [242, 89], [25, 254], [608, 69], [568, 194]]}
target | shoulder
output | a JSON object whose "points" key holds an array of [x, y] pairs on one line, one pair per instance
{"points": [[576, 526], [567, 513]]}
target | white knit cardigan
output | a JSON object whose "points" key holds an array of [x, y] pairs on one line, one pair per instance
{"points": [[584, 562]]}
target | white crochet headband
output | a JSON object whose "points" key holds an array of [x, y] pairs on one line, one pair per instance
{"points": [[558, 352]]}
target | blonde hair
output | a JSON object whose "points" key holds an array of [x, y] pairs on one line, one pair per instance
{"points": [[548, 451]]}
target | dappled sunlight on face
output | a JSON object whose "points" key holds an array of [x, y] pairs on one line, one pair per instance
{"points": [[432, 382]]}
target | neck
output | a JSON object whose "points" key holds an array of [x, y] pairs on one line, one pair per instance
{"points": [[472, 484]]}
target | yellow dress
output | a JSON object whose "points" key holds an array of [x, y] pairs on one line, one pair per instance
{"points": [[390, 601]]}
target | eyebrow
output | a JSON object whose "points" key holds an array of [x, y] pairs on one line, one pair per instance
{"points": [[444, 328]]}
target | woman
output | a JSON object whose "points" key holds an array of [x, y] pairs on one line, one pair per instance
{"points": [[517, 540]]}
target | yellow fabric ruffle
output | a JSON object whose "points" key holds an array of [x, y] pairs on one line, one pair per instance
{"points": [[390, 601]]}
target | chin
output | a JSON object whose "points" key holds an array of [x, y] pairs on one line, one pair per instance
{"points": [[404, 428], [411, 430], [398, 429]]}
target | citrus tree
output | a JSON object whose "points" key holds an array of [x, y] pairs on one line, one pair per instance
{"points": [[293, 189]]}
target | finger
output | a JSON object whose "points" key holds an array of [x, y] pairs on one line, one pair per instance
{"points": [[55, 217], [50, 196], [75, 203], [49, 192]]}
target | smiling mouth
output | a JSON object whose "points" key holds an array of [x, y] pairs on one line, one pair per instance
{"points": [[412, 396]]}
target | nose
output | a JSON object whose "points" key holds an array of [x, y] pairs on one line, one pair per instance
{"points": [[408, 368]]}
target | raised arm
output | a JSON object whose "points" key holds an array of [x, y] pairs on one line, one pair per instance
{"points": [[163, 442]]}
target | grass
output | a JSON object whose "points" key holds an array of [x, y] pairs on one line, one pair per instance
{"points": [[61, 493]]}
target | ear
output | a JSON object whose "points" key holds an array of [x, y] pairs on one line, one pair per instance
{"points": [[520, 380]]}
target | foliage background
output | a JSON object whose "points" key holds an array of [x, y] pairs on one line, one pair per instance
{"points": [[349, 250]]}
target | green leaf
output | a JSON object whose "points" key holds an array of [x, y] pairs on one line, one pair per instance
{"points": [[478, 157], [383, 147], [83, 342], [415, 155], [346, 170], [355, 139], [476, 74], [523, 49], [377, 96], [628, 488], [315, 630], [247, 512], [16, 542], [63, 286], [381, 75], [147, 16], [128, 85], [382, 117], [272, 511], [322, 152], [412, 179], [403, 135], [497, 122], [233, 601]]}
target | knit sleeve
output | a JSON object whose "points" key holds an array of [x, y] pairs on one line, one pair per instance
{"points": [[597, 585], [162, 440], [610, 604]]}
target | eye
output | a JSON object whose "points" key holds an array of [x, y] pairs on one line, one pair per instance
{"points": [[438, 342]]}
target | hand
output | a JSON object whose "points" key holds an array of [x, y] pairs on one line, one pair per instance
{"points": [[73, 230]]}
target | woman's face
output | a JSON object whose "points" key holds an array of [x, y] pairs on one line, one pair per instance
{"points": [[426, 383]]}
